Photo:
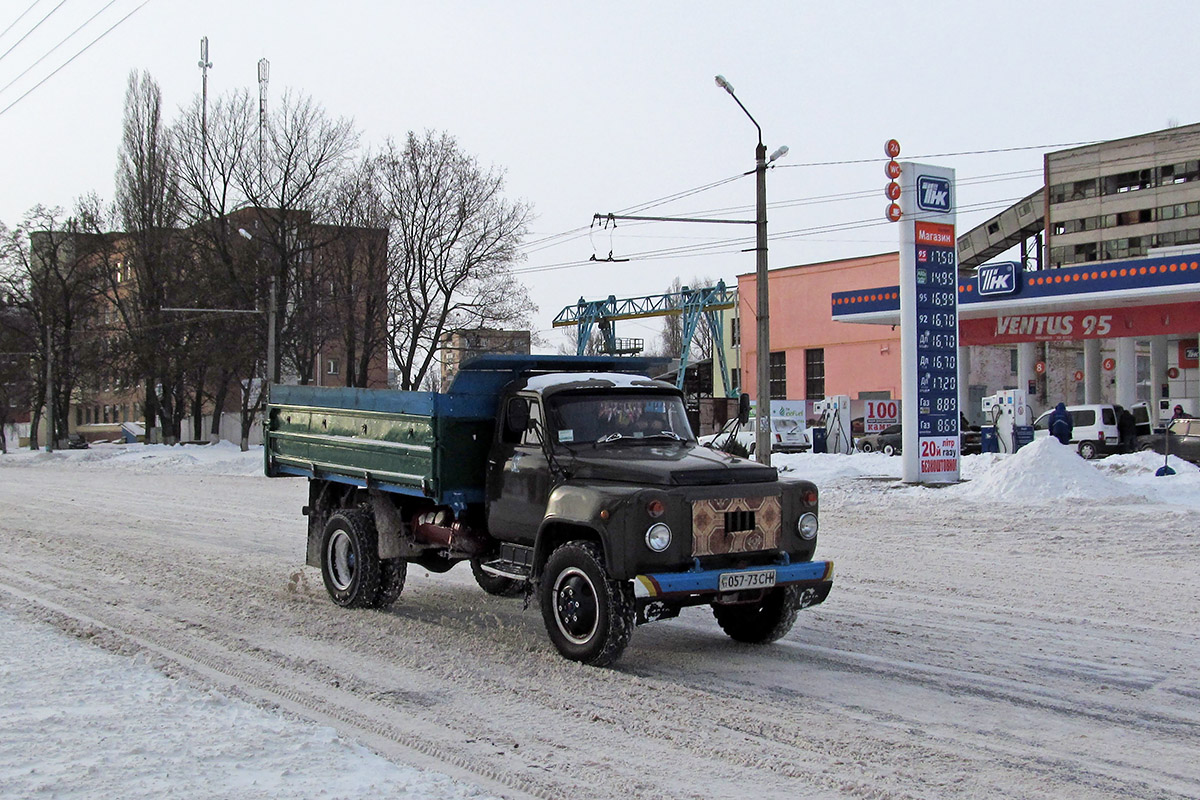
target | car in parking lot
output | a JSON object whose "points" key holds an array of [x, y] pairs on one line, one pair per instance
{"points": [[788, 435], [888, 441], [1181, 438]]}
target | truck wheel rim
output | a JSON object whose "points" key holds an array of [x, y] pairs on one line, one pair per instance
{"points": [[340, 558], [575, 606]]}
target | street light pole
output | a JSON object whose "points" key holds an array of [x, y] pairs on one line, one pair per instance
{"points": [[762, 412]]}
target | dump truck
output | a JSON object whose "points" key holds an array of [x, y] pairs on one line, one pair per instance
{"points": [[574, 481]]}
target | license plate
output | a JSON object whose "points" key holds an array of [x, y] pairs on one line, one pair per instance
{"points": [[733, 581]]}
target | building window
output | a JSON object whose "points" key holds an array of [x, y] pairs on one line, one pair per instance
{"points": [[1012, 361], [735, 332], [735, 379], [332, 366], [778, 376], [814, 374]]}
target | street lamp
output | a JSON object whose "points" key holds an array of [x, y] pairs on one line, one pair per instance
{"points": [[762, 440], [270, 323]]}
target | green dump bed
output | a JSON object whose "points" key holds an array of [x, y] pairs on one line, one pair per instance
{"points": [[426, 444]]}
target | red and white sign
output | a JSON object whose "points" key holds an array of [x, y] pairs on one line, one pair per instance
{"points": [[892, 170], [1109, 364], [891, 148], [938, 455], [1173, 373], [1040, 368], [880, 414], [893, 213], [935, 234], [1078, 374], [892, 191], [1068, 326], [1188, 353]]}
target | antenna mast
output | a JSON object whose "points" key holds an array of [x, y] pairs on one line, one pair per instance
{"points": [[264, 71], [205, 65]]}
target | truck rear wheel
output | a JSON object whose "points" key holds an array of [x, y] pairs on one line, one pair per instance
{"points": [[392, 574], [350, 562], [495, 584], [762, 622], [589, 616]]}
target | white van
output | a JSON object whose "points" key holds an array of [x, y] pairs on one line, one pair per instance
{"points": [[1095, 429]]}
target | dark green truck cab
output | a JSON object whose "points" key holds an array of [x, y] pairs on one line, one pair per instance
{"points": [[575, 480]]}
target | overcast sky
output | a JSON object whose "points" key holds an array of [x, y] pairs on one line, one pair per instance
{"points": [[604, 107]]}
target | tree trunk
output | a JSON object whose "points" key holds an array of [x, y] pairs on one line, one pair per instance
{"points": [[34, 424], [219, 408]]}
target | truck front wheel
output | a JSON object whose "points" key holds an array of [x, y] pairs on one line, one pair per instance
{"points": [[350, 562], [762, 622], [589, 616]]}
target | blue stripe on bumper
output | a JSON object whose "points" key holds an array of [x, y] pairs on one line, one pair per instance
{"points": [[660, 584]]}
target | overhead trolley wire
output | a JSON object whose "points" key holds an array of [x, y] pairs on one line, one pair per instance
{"points": [[12, 24], [49, 52], [86, 47]]}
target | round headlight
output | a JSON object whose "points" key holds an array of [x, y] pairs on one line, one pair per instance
{"points": [[806, 526], [658, 537]]}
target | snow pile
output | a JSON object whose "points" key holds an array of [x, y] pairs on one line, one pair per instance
{"points": [[1044, 471], [222, 458]]}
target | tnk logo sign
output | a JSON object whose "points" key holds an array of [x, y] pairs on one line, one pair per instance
{"points": [[933, 194], [998, 278]]}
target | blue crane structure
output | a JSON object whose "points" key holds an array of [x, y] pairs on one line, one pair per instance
{"points": [[709, 302]]}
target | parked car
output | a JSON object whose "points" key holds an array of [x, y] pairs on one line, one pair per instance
{"points": [[887, 441], [788, 435], [1094, 431], [971, 441], [75, 441], [1181, 438]]}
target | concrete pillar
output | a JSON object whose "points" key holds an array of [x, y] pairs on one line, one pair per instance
{"points": [[1027, 356], [1126, 371], [1091, 371], [1158, 376], [964, 381]]}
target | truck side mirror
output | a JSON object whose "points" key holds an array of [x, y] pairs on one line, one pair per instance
{"points": [[516, 419], [743, 414]]}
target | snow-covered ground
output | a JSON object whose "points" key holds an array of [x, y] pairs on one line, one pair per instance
{"points": [[1029, 632]]}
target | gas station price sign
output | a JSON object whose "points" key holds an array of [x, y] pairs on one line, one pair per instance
{"points": [[936, 271], [929, 324]]}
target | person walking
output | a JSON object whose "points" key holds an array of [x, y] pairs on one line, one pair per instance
{"points": [[1126, 429], [1061, 424]]}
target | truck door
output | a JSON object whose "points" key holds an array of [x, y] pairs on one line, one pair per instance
{"points": [[518, 475]]}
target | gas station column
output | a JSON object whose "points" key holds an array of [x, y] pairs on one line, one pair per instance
{"points": [[964, 382], [1126, 371], [1091, 371], [1027, 368], [1158, 376]]}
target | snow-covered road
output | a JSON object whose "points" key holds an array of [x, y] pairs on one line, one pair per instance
{"points": [[979, 641]]}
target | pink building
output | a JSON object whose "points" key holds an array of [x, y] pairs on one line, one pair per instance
{"points": [[812, 356]]}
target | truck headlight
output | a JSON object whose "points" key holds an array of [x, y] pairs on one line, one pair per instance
{"points": [[806, 526], [658, 537]]}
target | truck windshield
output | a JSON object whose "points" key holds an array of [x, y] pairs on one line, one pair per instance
{"points": [[610, 417]]}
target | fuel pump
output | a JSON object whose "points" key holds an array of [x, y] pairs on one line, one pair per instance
{"points": [[1005, 411], [834, 414]]}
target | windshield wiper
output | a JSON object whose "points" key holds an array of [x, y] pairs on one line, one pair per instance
{"points": [[612, 437], [664, 434]]}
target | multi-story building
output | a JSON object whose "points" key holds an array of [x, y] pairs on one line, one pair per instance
{"points": [[458, 346]]}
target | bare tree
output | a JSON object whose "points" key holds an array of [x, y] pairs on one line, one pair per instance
{"points": [[292, 181], [149, 206], [17, 340], [453, 242], [47, 267]]}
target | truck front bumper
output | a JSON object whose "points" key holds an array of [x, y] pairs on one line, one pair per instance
{"points": [[682, 586]]}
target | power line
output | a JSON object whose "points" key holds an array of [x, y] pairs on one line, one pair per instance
{"points": [[49, 52], [34, 28], [940, 155], [12, 24], [72, 58]]}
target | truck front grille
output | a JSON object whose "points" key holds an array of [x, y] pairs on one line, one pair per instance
{"points": [[735, 525]]}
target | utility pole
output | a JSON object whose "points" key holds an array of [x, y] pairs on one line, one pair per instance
{"points": [[762, 411], [49, 392]]}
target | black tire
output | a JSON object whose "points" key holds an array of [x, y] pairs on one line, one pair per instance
{"points": [[350, 562], [495, 584], [589, 616], [889, 450], [763, 622], [1087, 450], [392, 574], [866, 447]]}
